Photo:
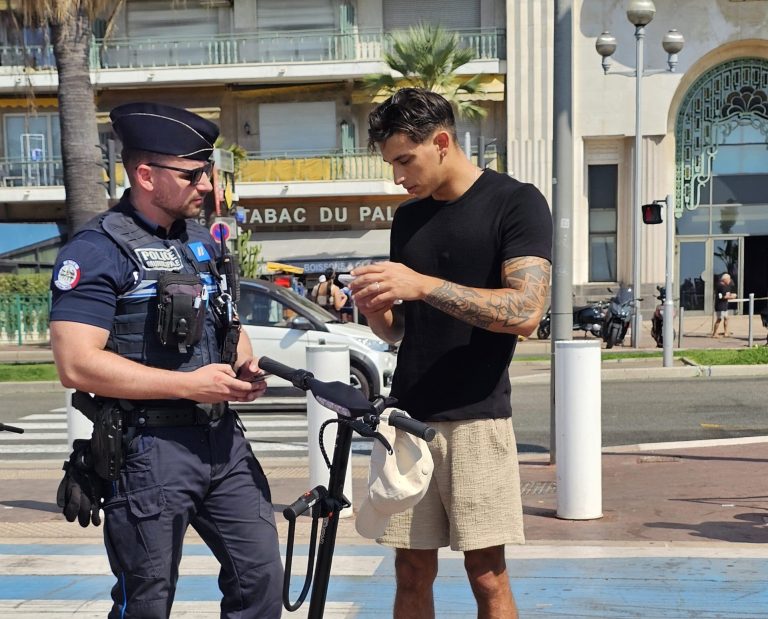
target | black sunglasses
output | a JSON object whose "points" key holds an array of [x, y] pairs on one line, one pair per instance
{"points": [[194, 176]]}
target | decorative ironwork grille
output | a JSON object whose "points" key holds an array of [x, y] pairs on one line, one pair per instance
{"points": [[728, 95]]}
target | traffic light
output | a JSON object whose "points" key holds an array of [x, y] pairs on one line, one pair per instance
{"points": [[652, 213]]}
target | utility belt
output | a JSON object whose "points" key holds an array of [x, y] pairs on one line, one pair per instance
{"points": [[165, 416], [112, 417]]}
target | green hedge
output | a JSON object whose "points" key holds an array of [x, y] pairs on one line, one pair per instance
{"points": [[31, 284]]}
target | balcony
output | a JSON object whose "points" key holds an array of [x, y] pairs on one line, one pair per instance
{"points": [[127, 61], [43, 173], [261, 175]]}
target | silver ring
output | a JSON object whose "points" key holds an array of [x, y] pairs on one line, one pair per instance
{"points": [[378, 286]]}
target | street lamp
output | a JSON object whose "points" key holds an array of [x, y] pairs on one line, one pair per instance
{"points": [[640, 13]]}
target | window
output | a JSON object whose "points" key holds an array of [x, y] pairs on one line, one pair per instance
{"points": [[259, 310], [602, 191], [33, 146], [298, 129]]}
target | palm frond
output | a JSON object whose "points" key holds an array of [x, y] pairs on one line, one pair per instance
{"points": [[428, 56]]}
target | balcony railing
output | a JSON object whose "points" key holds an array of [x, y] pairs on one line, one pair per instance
{"points": [[244, 48], [43, 173], [259, 167], [274, 167]]}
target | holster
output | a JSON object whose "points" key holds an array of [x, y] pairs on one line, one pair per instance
{"points": [[107, 436]]}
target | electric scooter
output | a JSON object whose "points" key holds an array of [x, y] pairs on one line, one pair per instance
{"points": [[355, 414]]}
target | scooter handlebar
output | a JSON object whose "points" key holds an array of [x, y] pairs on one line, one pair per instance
{"points": [[8, 428], [298, 378], [400, 420], [304, 502]]}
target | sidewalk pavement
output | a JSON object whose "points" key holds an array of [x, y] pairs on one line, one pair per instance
{"points": [[683, 531]]}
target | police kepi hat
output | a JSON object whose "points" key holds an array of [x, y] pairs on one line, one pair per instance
{"points": [[164, 129]]}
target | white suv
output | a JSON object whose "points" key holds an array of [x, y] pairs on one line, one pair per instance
{"points": [[281, 324]]}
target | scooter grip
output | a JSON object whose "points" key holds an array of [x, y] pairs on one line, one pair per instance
{"points": [[303, 503], [8, 428], [297, 377], [401, 421]]}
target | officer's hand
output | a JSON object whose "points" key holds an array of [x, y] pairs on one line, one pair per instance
{"points": [[217, 383], [80, 491], [250, 371]]}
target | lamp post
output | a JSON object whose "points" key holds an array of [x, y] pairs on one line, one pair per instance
{"points": [[640, 13]]}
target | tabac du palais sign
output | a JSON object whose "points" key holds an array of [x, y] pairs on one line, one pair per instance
{"points": [[313, 216]]}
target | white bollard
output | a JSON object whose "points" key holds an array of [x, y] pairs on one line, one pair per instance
{"points": [[577, 419], [327, 363], [78, 425]]}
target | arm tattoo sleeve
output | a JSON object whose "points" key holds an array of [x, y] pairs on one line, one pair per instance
{"points": [[526, 285]]}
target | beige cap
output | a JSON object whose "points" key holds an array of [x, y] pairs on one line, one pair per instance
{"points": [[396, 482]]}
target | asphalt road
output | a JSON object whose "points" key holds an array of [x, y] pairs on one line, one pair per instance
{"points": [[646, 411], [654, 411]]}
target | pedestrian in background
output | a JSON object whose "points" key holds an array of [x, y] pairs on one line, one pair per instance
{"points": [[142, 318], [723, 292], [328, 295], [470, 258]]}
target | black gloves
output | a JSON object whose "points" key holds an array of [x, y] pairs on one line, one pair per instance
{"points": [[80, 492]]}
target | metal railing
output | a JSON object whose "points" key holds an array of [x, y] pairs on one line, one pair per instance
{"points": [[24, 318], [243, 48], [353, 164], [259, 167], [16, 172], [357, 164]]}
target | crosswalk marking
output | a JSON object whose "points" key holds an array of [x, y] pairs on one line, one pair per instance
{"points": [[270, 434], [80, 565]]}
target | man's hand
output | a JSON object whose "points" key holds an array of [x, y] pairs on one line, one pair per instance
{"points": [[377, 287], [218, 383], [80, 493]]}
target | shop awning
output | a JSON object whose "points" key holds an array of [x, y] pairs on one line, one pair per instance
{"points": [[277, 267], [314, 252]]}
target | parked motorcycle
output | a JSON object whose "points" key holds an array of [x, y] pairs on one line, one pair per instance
{"points": [[587, 318], [617, 317], [657, 322]]}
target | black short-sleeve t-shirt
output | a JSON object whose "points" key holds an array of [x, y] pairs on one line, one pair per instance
{"points": [[447, 369]]}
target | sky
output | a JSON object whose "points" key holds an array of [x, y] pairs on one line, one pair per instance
{"points": [[13, 236]]}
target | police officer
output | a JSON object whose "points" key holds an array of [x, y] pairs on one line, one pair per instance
{"points": [[142, 317]]}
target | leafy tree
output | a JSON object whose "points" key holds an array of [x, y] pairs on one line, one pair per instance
{"points": [[70, 23], [428, 56]]}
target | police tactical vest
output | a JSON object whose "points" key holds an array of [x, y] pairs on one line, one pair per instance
{"points": [[133, 332]]}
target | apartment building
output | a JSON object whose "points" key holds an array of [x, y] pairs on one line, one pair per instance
{"points": [[283, 79]]}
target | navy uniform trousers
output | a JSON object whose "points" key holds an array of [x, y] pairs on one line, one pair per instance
{"points": [[205, 476]]}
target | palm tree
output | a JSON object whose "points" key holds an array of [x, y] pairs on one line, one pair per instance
{"points": [[71, 33], [428, 56]]}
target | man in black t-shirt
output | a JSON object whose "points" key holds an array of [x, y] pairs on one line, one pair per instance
{"points": [[470, 261]]}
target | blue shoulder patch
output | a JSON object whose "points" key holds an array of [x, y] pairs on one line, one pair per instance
{"points": [[201, 253]]}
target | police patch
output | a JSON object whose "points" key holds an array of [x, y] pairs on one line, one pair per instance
{"points": [[68, 275], [201, 253], [162, 259]]}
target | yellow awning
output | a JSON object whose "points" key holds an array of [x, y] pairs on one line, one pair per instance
{"points": [[286, 268], [23, 102]]}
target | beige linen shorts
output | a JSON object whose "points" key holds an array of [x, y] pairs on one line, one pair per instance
{"points": [[473, 500]]}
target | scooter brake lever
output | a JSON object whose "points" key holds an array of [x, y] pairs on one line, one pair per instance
{"points": [[363, 429]]}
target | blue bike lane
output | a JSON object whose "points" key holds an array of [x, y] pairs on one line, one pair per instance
{"points": [[684, 534]]}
